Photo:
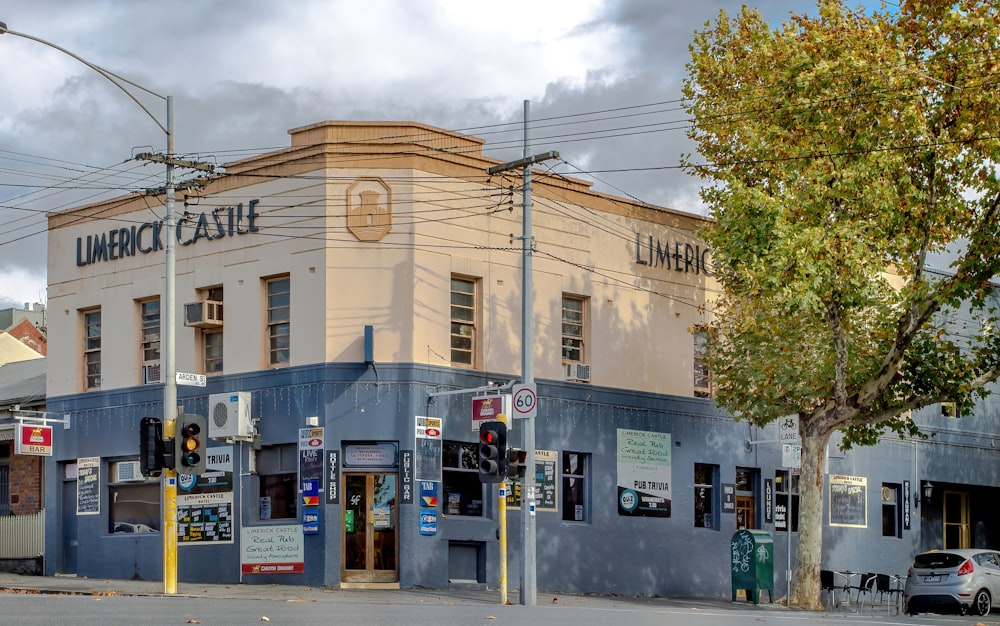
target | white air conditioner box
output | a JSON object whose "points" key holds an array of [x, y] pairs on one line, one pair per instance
{"points": [[151, 373], [229, 415], [128, 471], [578, 371], [203, 314]]}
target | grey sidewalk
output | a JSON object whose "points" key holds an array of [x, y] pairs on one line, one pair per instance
{"points": [[15, 583]]}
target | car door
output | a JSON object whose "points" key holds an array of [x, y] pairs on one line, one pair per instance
{"points": [[990, 563]]}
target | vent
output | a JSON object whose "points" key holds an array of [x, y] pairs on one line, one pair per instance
{"points": [[203, 314], [579, 372], [229, 415], [151, 373], [128, 471]]}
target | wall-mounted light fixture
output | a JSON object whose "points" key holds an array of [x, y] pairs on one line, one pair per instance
{"points": [[927, 490]]}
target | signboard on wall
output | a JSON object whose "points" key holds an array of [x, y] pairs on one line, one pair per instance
{"points": [[272, 550], [489, 408], [427, 449], [848, 501], [88, 485], [33, 440], [644, 473], [205, 501], [546, 483]]}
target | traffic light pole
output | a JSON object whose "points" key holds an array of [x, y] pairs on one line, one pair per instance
{"points": [[528, 567]]}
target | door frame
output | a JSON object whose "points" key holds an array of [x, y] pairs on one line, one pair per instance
{"points": [[370, 577]]}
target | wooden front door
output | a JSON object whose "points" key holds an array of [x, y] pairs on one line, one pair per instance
{"points": [[370, 543]]}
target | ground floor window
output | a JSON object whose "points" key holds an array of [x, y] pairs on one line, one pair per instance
{"points": [[891, 516], [786, 501], [574, 469], [277, 472], [705, 510], [134, 507], [463, 491]]}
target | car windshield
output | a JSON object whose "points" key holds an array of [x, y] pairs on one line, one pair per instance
{"points": [[937, 560]]}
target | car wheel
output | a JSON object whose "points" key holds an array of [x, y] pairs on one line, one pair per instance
{"points": [[981, 605]]}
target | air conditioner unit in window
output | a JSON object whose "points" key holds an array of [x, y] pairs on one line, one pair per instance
{"points": [[229, 415], [151, 373], [128, 471], [203, 314], [578, 371]]}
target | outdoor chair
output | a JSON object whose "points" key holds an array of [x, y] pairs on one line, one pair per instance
{"points": [[828, 583], [866, 589]]}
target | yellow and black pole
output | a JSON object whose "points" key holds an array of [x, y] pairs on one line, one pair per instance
{"points": [[502, 515], [169, 518]]}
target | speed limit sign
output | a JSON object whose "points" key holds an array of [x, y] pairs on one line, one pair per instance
{"points": [[525, 401]]}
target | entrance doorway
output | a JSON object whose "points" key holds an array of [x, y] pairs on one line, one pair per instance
{"points": [[744, 512], [370, 543]]}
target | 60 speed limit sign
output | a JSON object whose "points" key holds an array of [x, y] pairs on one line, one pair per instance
{"points": [[525, 401]]}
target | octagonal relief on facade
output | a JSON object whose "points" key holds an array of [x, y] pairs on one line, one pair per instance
{"points": [[369, 209]]}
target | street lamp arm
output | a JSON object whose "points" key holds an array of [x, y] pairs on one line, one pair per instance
{"points": [[113, 78]]}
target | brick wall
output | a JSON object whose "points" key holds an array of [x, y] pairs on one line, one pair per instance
{"points": [[26, 484]]}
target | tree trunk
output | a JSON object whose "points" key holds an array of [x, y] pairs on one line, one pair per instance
{"points": [[805, 591]]}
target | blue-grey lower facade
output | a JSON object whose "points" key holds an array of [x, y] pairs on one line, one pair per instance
{"points": [[599, 548]]}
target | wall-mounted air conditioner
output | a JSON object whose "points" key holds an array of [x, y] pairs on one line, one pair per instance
{"points": [[151, 373], [578, 371], [203, 314], [128, 471], [229, 415]]}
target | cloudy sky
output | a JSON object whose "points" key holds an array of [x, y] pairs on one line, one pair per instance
{"points": [[603, 78]]}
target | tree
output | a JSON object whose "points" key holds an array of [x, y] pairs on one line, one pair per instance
{"points": [[840, 151]]}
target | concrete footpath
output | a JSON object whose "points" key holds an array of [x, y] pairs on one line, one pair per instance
{"points": [[15, 583]]}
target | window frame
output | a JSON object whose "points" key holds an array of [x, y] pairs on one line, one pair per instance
{"points": [[146, 487], [149, 332], [277, 467], [91, 348], [710, 519], [892, 510], [702, 380], [467, 471], [785, 481], [581, 474], [278, 320], [457, 324], [574, 342]]}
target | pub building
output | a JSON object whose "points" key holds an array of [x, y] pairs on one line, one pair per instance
{"points": [[348, 300]]}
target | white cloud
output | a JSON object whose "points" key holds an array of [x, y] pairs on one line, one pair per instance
{"points": [[20, 286]]}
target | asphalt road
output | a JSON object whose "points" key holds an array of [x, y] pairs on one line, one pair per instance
{"points": [[17, 608]]}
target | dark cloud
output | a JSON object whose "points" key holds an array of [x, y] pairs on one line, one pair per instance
{"points": [[243, 73]]}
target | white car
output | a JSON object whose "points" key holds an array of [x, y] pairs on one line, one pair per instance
{"points": [[954, 581]]}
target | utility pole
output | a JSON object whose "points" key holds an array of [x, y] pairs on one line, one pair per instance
{"points": [[528, 567], [168, 320]]}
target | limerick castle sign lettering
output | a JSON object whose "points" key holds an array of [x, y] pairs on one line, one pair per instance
{"points": [[119, 243], [679, 257]]}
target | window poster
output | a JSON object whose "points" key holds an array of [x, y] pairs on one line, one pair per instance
{"points": [[644, 473], [205, 501]]}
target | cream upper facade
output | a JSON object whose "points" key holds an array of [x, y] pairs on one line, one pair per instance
{"points": [[392, 225]]}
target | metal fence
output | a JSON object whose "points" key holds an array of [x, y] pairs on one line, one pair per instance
{"points": [[22, 536]]}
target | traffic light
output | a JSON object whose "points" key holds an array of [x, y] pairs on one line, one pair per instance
{"points": [[151, 449], [492, 451], [515, 462], [190, 441]]}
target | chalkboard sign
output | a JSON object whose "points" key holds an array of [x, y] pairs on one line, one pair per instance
{"points": [[848, 501], [427, 459], [88, 486]]}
